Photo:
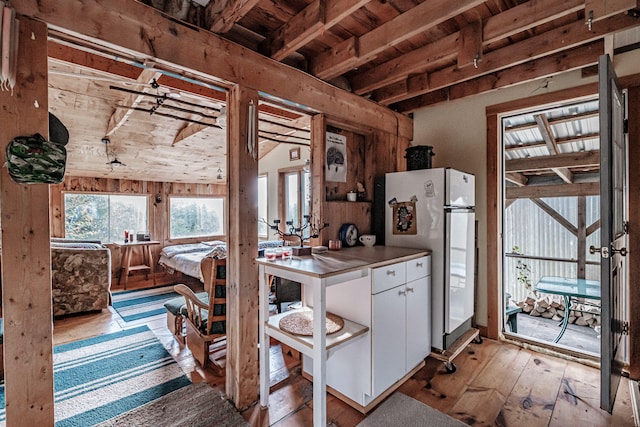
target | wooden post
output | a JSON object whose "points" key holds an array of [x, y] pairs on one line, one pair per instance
{"points": [[242, 245], [582, 237], [26, 257], [318, 135], [494, 218]]}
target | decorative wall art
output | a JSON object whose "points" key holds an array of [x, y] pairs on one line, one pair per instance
{"points": [[404, 218], [294, 154], [336, 157]]}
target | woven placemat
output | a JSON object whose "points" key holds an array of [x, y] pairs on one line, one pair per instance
{"points": [[301, 323]]}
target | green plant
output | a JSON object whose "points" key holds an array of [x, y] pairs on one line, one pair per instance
{"points": [[523, 274], [523, 271]]}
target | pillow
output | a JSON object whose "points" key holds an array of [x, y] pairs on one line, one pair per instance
{"points": [[214, 243], [218, 252], [76, 245], [171, 251]]}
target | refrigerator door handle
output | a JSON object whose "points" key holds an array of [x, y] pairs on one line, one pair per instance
{"points": [[459, 208]]}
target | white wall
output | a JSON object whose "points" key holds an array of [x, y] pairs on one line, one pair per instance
{"points": [[278, 158], [457, 131]]}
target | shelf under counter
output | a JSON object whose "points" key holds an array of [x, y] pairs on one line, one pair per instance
{"points": [[304, 344]]}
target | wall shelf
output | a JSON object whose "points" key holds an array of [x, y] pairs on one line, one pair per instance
{"points": [[348, 202]]}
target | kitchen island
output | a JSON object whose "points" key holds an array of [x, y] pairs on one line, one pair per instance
{"points": [[383, 295]]}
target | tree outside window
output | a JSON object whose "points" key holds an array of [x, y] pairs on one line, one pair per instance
{"points": [[104, 217], [196, 216]]}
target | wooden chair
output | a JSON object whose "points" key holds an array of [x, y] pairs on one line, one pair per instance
{"points": [[206, 321]]}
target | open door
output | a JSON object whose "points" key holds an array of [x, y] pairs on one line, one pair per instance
{"points": [[613, 250]]}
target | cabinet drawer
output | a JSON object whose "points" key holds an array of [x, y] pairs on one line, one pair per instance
{"points": [[388, 277], [417, 268]]}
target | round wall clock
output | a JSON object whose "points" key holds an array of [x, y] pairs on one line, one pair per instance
{"points": [[349, 235]]}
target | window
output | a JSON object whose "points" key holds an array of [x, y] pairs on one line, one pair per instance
{"points": [[297, 197], [104, 217], [263, 212], [196, 216]]}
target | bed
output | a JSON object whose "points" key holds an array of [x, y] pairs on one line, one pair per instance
{"points": [[186, 258]]}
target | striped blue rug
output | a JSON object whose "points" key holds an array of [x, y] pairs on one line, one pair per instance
{"points": [[99, 378], [142, 304]]}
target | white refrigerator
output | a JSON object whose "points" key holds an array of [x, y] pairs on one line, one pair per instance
{"points": [[435, 209]]}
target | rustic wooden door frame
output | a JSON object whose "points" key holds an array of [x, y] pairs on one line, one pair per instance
{"points": [[495, 208], [26, 254]]}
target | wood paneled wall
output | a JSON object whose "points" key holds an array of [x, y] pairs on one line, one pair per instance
{"points": [[370, 153], [158, 210]]}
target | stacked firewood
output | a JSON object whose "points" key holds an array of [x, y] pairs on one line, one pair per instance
{"points": [[553, 307]]}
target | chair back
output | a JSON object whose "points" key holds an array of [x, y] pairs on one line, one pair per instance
{"points": [[214, 273]]}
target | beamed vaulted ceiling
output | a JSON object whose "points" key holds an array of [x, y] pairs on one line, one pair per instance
{"points": [[408, 54], [401, 54]]}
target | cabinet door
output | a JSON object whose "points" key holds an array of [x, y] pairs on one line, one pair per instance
{"points": [[388, 338], [418, 321]]}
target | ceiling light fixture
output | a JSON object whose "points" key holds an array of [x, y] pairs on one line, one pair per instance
{"points": [[112, 163], [116, 163]]}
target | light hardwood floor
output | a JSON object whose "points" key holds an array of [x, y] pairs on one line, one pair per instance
{"points": [[495, 384]]}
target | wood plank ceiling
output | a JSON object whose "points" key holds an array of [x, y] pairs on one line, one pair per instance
{"points": [[404, 54]]}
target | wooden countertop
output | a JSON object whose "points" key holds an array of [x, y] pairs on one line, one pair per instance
{"points": [[331, 263]]}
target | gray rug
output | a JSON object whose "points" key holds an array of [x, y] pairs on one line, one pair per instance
{"points": [[193, 405], [404, 411]]}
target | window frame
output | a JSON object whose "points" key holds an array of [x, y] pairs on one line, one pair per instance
{"points": [[264, 176], [108, 194], [171, 238], [282, 194]]}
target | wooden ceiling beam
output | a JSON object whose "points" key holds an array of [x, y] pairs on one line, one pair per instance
{"points": [[295, 33], [554, 121], [565, 160], [495, 27], [559, 190], [526, 16], [516, 178], [421, 18], [552, 145], [122, 112], [593, 227], [440, 52], [311, 22], [556, 216], [547, 134], [221, 15], [598, 9], [539, 144], [565, 174], [91, 61], [470, 50], [546, 66], [147, 34], [188, 131], [560, 39]]}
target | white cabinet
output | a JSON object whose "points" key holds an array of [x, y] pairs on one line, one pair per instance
{"points": [[418, 321], [401, 325], [394, 302], [388, 341]]}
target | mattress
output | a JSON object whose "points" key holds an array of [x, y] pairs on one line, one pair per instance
{"points": [[186, 258], [187, 263]]}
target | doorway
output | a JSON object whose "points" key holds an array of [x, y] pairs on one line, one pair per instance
{"points": [[551, 216]]}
